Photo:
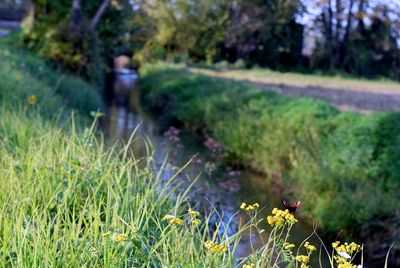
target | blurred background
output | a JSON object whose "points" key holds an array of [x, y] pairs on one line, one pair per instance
{"points": [[355, 37]]}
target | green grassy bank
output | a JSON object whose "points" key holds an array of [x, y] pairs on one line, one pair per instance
{"points": [[67, 200], [343, 166]]}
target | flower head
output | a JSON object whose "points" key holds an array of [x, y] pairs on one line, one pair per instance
{"points": [[32, 99], [303, 259], [345, 253], [249, 207], [288, 245], [216, 248], [173, 219], [195, 221], [279, 217], [193, 213], [309, 247], [121, 237]]}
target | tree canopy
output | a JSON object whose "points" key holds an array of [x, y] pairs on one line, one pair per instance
{"points": [[360, 37]]}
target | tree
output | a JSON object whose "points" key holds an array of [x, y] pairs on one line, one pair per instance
{"points": [[192, 28], [75, 34], [264, 32], [358, 36]]}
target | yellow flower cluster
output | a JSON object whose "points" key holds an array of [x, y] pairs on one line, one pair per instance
{"points": [[346, 247], [193, 216], [279, 217], [246, 207], [309, 247], [195, 221], [32, 99], [345, 254], [303, 259], [288, 246], [346, 265], [216, 248], [249, 265], [193, 213], [121, 237], [173, 220]]}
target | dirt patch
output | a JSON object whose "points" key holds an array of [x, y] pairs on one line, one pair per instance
{"points": [[355, 99], [343, 99]]}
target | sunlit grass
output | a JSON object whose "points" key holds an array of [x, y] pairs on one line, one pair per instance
{"points": [[68, 199]]}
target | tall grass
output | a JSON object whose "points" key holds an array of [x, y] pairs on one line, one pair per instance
{"points": [[68, 200]]}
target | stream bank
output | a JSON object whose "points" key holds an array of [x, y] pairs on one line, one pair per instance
{"points": [[217, 185]]}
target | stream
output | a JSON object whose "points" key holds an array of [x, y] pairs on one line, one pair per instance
{"points": [[222, 187]]}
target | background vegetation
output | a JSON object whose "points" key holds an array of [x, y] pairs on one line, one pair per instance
{"points": [[358, 37]]}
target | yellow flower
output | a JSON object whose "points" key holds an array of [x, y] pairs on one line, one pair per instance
{"points": [[17, 77], [279, 217], [195, 221], [346, 247], [121, 237], [347, 265], [335, 244], [249, 265], [345, 253], [249, 207], [309, 247], [173, 219], [176, 221], [193, 213], [216, 248], [303, 258], [246, 207], [32, 99], [288, 246]]}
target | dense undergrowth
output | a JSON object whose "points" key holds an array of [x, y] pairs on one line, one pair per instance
{"points": [[66, 199], [343, 166]]}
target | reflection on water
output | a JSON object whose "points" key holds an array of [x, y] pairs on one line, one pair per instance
{"points": [[225, 189]]}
